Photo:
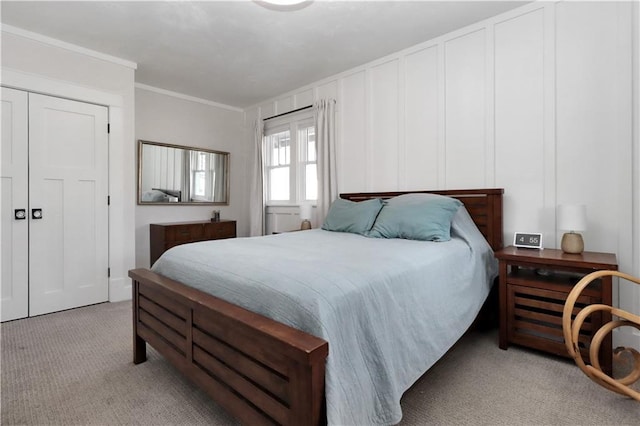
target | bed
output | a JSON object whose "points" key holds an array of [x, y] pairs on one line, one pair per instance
{"points": [[265, 365]]}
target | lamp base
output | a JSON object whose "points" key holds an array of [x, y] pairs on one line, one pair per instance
{"points": [[305, 224], [572, 243]]}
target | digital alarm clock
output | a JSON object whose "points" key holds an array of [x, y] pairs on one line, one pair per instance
{"points": [[527, 240]]}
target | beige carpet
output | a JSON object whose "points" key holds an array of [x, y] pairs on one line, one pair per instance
{"points": [[74, 368]]}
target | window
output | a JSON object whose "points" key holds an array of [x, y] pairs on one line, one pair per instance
{"points": [[199, 175], [290, 160], [202, 166]]}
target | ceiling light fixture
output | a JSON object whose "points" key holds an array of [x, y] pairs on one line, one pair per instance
{"points": [[284, 5], [284, 2]]}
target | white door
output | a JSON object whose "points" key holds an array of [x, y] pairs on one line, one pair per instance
{"points": [[68, 213], [14, 231]]}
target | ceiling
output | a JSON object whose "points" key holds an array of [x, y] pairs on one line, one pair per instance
{"points": [[240, 53]]}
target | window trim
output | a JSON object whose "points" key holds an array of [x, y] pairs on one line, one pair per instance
{"points": [[291, 122], [303, 161]]}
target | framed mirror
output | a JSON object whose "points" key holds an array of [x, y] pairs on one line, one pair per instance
{"points": [[177, 175]]}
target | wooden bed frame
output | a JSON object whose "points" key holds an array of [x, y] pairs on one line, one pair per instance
{"points": [[261, 371]]}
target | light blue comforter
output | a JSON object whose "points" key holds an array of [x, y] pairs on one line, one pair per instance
{"points": [[389, 308]]}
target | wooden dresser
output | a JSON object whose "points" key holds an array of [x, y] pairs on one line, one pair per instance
{"points": [[163, 236]]}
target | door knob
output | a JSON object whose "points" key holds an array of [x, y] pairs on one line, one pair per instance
{"points": [[20, 214], [36, 213]]}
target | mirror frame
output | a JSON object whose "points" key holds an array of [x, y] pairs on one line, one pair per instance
{"points": [[227, 163]]}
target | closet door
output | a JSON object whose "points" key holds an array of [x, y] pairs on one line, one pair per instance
{"points": [[14, 230], [68, 246]]}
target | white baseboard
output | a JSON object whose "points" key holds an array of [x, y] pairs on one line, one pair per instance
{"points": [[119, 289]]}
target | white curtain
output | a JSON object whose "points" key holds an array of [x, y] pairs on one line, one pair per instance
{"points": [[325, 112], [186, 175], [257, 193], [217, 174]]}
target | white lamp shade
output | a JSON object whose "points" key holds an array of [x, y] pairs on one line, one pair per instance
{"points": [[572, 217], [305, 211]]}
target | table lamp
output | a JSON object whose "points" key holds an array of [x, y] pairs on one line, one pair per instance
{"points": [[305, 215], [572, 218]]}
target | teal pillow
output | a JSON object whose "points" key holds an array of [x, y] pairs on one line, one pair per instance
{"points": [[424, 217], [351, 216]]}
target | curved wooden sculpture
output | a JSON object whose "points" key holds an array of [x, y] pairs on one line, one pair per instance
{"points": [[571, 331]]}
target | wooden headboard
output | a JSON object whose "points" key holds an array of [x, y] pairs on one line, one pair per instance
{"points": [[484, 206]]}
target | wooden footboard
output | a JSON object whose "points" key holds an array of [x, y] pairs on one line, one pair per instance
{"points": [[261, 371]]}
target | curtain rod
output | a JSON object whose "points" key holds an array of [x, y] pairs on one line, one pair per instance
{"points": [[289, 112]]}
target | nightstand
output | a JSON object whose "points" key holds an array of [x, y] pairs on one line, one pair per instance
{"points": [[534, 285]]}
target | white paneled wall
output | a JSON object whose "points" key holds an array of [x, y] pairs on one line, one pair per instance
{"points": [[420, 152], [537, 101], [382, 155], [465, 110], [594, 121], [594, 126], [353, 158], [520, 163]]}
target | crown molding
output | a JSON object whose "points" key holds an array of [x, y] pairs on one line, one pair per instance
{"points": [[186, 97], [68, 46]]}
